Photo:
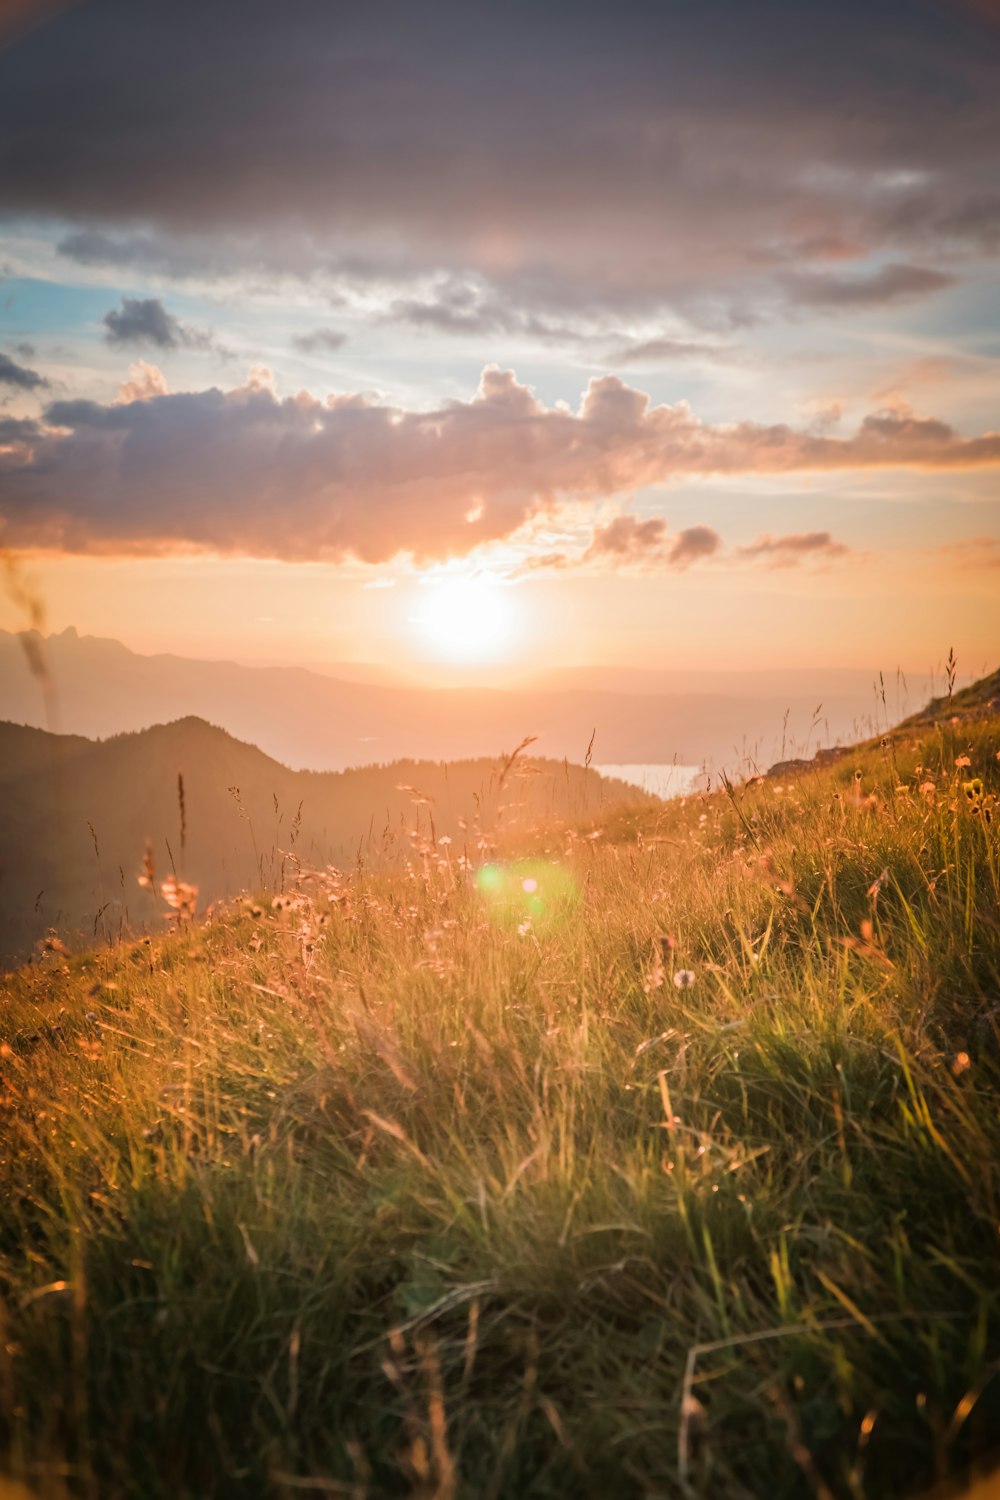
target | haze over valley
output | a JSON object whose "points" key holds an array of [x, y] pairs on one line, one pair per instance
{"points": [[310, 720]]}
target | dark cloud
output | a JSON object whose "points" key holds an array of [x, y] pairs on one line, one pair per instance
{"points": [[173, 254], [456, 306], [242, 471], [788, 551], [893, 283], [319, 341], [668, 157], [18, 430], [663, 350], [475, 307], [19, 376], [143, 321]]}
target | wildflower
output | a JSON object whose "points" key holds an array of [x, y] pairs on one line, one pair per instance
{"points": [[181, 896], [654, 979], [684, 979], [961, 1062], [973, 789], [961, 761]]}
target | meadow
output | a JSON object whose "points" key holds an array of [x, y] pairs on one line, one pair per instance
{"points": [[654, 1155]]}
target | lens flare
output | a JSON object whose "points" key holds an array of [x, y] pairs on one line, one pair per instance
{"points": [[534, 891]]}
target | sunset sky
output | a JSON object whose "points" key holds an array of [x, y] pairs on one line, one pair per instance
{"points": [[462, 337]]}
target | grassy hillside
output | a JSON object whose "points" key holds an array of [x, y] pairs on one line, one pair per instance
{"points": [[75, 818], [655, 1163]]}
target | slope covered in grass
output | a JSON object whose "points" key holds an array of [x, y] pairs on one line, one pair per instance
{"points": [[658, 1157]]}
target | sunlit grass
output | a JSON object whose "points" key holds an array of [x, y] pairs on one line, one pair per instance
{"points": [[686, 1181]]}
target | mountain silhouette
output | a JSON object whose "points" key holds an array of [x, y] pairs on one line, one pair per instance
{"points": [[76, 815]]}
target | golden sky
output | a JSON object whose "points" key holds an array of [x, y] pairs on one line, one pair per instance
{"points": [[468, 351]]}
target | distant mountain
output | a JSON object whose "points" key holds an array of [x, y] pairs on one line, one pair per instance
{"points": [[308, 719], [75, 816]]}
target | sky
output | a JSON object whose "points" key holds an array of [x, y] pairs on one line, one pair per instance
{"points": [[458, 337]]}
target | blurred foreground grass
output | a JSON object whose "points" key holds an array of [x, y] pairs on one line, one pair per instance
{"points": [[663, 1158]]}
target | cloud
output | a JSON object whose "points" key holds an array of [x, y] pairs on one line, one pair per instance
{"points": [[319, 341], [145, 321], [18, 430], [627, 541], [790, 550], [144, 382], [692, 544], [890, 284], [476, 306], [658, 351], [627, 537], [243, 471], [19, 376], [674, 156], [973, 552], [177, 254]]}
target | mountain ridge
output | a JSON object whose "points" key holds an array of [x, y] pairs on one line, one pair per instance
{"points": [[306, 719]]}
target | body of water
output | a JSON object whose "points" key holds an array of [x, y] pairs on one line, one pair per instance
{"points": [[663, 781]]}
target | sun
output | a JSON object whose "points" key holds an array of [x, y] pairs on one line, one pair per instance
{"points": [[467, 618]]}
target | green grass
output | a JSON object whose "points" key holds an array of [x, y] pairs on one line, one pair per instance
{"points": [[393, 1191]]}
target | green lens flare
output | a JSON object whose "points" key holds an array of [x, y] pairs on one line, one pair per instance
{"points": [[529, 889]]}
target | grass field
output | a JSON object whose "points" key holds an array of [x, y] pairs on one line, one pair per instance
{"points": [[659, 1158]]}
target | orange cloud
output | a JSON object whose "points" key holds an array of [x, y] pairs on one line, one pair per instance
{"points": [[788, 551], [973, 552], [145, 381], [244, 472]]}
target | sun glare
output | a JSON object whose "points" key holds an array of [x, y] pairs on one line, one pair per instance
{"points": [[469, 618]]}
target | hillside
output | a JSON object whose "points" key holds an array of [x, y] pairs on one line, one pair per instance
{"points": [[659, 1162], [309, 720], [75, 817]]}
